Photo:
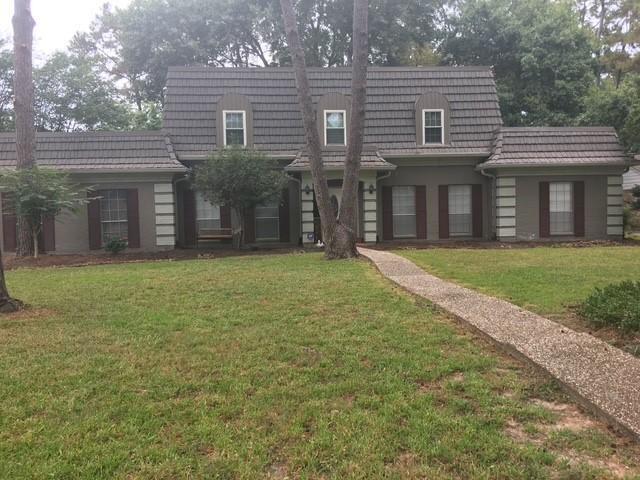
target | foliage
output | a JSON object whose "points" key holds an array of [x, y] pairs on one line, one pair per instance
{"points": [[6, 90], [237, 368], [239, 178], [635, 193], [115, 246], [616, 305], [37, 193]]}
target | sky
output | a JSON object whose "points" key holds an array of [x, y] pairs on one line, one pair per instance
{"points": [[56, 21]]}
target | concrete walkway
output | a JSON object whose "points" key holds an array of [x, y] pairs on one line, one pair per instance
{"points": [[601, 377]]}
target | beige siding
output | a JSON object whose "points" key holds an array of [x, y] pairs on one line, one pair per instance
{"points": [[527, 207], [432, 177]]}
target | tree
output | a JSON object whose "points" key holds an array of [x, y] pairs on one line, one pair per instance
{"points": [[38, 193], [338, 233], [23, 104], [241, 179], [6, 89]]}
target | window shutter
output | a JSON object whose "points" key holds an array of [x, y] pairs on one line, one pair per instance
{"points": [[545, 217], [421, 211], [283, 219], [95, 228], [133, 219], [189, 217], [49, 234], [250, 226], [443, 211], [387, 213], [476, 210], [9, 228], [225, 216], [578, 209]]}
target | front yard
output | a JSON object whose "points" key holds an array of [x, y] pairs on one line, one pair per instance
{"points": [[280, 366]]}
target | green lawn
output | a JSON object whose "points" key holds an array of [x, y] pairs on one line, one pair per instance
{"points": [[547, 280], [266, 367]]}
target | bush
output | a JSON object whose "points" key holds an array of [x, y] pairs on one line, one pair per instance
{"points": [[616, 305], [115, 245]]}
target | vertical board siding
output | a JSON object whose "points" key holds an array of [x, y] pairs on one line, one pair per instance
{"points": [[578, 209], [443, 211], [9, 232], [283, 219], [421, 211], [476, 210], [189, 217], [545, 218], [95, 227], [387, 213], [133, 219]]}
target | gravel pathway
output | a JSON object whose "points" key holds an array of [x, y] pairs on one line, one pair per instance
{"points": [[601, 377]]}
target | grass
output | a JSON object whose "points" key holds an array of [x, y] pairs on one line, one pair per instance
{"points": [[264, 367], [548, 280]]}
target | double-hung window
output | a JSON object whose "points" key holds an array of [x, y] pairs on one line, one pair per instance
{"points": [[235, 127], [114, 215], [561, 208], [335, 127], [207, 214], [404, 211], [433, 132], [268, 222], [460, 214]]}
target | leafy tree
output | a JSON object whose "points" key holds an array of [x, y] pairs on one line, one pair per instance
{"points": [[542, 57], [37, 193], [6, 89], [241, 179]]}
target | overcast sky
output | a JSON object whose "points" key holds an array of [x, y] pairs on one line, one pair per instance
{"points": [[56, 21]]}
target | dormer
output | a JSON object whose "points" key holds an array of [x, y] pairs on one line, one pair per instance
{"points": [[333, 112], [432, 119], [234, 121]]}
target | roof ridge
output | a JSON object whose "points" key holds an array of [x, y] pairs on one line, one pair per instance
{"points": [[552, 129], [336, 68]]}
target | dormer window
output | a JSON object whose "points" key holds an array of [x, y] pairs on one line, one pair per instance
{"points": [[335, 127], [235, 127], [433, 132]]}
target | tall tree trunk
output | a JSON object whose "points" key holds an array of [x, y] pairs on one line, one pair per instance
{"points": [[339, 237], [7, 304], [23, 89]]}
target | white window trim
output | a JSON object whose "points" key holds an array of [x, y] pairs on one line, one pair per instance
{"points": [[572, 211], [414, 214], [244, 126], [344, 113], [470, 232], [424, 126]]}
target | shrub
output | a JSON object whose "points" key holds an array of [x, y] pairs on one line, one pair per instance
{"points": [[115, 245], [616, 305]]}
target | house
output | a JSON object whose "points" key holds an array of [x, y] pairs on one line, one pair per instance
{"points": [[437, 164]]}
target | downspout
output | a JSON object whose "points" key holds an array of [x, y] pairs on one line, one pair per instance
{"points": [[493, 207]]}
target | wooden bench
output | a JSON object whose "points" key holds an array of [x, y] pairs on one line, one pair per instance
{"points": [[207, 234]]}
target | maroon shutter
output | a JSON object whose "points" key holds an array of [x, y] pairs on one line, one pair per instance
{"points": [[421, 211], [443, 211], [133, 219], [545, 218], [9, 232], [387, 213], [476, 210], [578, 209], [283, 214], [225, 216], [250, 226], [49, 234], [189, 217], [95, 228]]}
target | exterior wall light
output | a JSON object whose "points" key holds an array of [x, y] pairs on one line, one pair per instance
{"points": [[371, 188], [307, 189]]}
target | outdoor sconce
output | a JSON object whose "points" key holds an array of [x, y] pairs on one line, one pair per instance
{"points": [[307, 189], [371, 188]]}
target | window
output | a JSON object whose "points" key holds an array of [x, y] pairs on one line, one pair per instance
{"points": [[207, 214], [460, 217], [433, 127], [561, 208], [268, 222], [114, 215], [404, 212], [234, 127], [334, 127]]}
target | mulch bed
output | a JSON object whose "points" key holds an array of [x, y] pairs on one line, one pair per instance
{"points": [[494, 245]]}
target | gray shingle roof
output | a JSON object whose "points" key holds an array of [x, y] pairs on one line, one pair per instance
{"points": [[95, 151], [555, 146], [335, 160], [192, 94]]}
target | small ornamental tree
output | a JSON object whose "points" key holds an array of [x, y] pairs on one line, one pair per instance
{"points": [[241, 179], [37, 193]]}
